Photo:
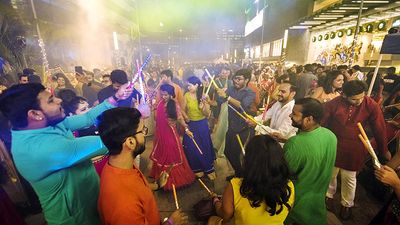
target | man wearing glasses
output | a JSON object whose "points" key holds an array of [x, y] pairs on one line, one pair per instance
{"points": [[125, 195], [239, 98]]}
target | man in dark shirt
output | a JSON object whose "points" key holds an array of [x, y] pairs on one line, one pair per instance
{"points": [[118, 78], [240, 97], [391, 80]]}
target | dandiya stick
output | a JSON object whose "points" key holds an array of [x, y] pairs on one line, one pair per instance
{"points": [[237, 112], [175, 196], [362, 131], [204, 185], [251, 118], [394, 105], [240, 143], [197, 146], [212, 80], [248, 117], [209, 86], [370, 150], [140, 80]]}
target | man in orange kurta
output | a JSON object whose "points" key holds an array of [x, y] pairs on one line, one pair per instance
{"points": [[126, 197]]}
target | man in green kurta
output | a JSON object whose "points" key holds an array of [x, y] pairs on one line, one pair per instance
{"points": [[311, 156], [46, 153]]}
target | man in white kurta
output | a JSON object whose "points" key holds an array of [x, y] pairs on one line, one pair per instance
{"points": [[276, 120]]}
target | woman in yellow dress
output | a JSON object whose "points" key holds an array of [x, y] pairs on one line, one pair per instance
{"points": [[265, 193]]}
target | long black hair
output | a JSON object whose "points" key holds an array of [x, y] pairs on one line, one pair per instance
{"points": [[171, 105], [266, 175], [199, 93], [330, 77]]}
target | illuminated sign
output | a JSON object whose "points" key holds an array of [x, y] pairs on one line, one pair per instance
{"points": [[255, 23]]}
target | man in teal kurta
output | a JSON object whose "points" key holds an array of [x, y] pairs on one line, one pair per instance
{"points": [[45, 152], [311, 156]]}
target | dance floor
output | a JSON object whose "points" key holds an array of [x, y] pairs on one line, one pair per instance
{"points": [[366, 206]]}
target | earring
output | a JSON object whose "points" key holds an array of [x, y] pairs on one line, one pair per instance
{"points": [[39, 118]]}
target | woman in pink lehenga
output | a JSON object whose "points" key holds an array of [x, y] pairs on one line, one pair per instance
{"points": [[168, 152]]}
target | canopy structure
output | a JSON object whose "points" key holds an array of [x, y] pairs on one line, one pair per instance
{"points": [[390, 45]]}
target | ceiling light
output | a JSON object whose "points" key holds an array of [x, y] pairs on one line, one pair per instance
{"points": [[325, 18], [331, 16], [312, 22], [349, 7], [371, 2], [299, 27]]}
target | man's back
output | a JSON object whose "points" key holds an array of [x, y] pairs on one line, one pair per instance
{"points": [[311, 155], [304, 84]]}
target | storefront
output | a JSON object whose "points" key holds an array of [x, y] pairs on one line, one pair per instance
{"points": [[334, 46]]}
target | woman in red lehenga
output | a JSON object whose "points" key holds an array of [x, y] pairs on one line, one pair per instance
{"points": [[168, 152]]}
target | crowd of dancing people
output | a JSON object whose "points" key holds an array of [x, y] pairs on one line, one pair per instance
{"points": [[71, 141]]}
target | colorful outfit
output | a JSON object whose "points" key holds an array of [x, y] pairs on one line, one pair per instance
{"points": [[311, 155], [198, 125], [168, 151], [341, 118], [245, 214], [125, 198], [59, 169]]}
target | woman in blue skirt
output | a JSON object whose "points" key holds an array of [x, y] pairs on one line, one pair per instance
{"points": [[201, 157]]}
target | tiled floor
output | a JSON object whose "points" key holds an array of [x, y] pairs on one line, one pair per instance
{"points": [[366, 207]]}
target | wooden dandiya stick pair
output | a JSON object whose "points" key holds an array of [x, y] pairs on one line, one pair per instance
{"points": [[364, 139]]}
